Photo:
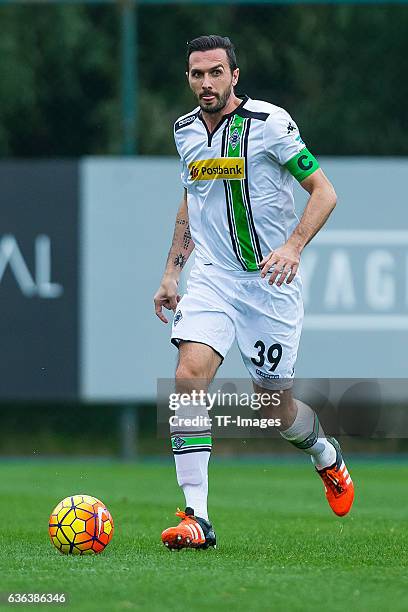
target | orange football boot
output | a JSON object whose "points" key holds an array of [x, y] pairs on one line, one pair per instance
{"points": [[337, 483], [191, 532]]}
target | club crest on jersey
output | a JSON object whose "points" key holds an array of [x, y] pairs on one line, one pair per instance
{"points": [[230, 168], [234, 139]]}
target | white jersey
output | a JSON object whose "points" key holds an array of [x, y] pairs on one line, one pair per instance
{"points": [[239, 180]]}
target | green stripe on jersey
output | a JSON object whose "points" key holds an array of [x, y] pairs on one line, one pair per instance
{"points": [[302, 165], [235, 149]]}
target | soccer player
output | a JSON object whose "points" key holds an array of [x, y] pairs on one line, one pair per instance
{"points": [[239, 158]]}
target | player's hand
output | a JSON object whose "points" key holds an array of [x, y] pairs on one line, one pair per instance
{"points": [[285, 263], [166, 296]]}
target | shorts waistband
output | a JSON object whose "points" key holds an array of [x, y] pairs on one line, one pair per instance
{"points": [[210, 268], [244, 274]]}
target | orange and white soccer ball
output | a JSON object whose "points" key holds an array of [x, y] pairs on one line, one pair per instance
{"points": [[80, 525]]}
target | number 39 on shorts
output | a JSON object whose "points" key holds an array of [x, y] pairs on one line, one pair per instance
{"points": [[273, 355]]}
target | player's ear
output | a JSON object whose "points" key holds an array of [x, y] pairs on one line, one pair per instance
{"points": [[188, 80], [235, 76]]}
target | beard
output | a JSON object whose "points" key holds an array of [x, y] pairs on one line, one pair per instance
{"points": [[221, 101]]}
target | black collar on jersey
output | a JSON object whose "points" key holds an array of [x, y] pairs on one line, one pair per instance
{"points": [[223, 118]]}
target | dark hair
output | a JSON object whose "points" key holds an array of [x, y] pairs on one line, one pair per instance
{"points": [[207, 43]]}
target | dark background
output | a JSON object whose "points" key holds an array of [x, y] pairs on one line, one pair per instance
{"points": [[38, 357], [338, 69]]}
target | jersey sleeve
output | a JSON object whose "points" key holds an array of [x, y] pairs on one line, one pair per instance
{"points": [[284, 144], [184, 172]]}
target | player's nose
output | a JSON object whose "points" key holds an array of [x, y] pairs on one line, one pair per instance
{"points": [[206, 84]]}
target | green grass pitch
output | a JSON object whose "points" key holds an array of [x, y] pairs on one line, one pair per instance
{"points": [[280, 547]]}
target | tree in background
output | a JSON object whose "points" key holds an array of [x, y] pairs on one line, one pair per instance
{"points": [[337, 69], [59, 81]]}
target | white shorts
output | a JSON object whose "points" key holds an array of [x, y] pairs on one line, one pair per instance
{"points": [[221, 305]]}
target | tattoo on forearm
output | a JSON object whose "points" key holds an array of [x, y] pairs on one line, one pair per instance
{"points": [[186, 238], [181, 222], [180, 260]]}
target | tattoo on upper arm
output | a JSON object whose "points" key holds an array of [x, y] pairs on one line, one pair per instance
{"points": [[181, 222], [179, 260]]}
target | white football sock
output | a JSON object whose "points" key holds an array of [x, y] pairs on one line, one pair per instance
{"points": [[192, 476], [307, 434], [192, 448]]}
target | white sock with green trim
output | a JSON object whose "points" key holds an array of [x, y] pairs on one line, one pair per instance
{"points": [[307, 434], [192, 448]]}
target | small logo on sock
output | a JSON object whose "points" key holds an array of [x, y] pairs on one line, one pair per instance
{"points": [[178, 443]]}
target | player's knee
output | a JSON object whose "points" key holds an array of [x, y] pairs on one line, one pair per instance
{"points": [[279, 405], [190, 370]]}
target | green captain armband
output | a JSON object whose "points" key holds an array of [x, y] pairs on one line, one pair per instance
{"points": [[302, 165]]}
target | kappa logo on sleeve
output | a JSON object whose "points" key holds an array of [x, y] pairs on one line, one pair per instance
{"points": [[231, 168], [291, 127]]}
